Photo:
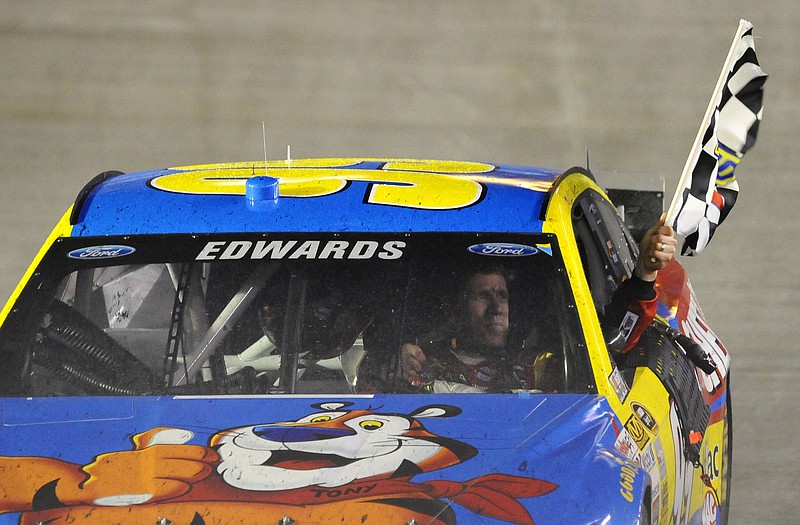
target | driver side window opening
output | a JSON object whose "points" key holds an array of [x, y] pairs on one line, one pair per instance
{"points": [[607, 250]]}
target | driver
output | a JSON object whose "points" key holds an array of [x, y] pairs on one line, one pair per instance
{"points": [[475, 358], [475, 355]]}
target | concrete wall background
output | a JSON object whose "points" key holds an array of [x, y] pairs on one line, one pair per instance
{"points": [[91, 86]]}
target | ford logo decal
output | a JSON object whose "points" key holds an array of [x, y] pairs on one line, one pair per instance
{"points": [[101, 252], [502, 249]]}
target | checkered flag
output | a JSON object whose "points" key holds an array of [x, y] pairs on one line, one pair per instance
{"points": [[709, 187]]}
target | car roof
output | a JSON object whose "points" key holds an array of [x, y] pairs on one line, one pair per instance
{"points": [[316, 195]]}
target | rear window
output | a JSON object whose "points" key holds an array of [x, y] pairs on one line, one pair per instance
{"points": [[305, 313]]}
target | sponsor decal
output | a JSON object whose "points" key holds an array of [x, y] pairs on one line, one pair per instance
{"points": [[649, 459], [612, 252], [627, 476], [695, 327], [106, 251], [636, 429], [658, 473], [662, 462], [655, 504], [261, 470], [625, 444], [627, 324], [710, 507], [713, 463], [645, 417], [503, 249], [295, 249], [665, 499], [620, 387]]}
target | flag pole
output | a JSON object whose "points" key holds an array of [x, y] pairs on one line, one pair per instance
{"points": [[694, 153]]}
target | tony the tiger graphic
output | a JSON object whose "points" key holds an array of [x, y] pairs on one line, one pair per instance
{"points": [[336, 464]]}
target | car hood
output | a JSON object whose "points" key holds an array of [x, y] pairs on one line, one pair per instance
{"points": [[524, 458]]}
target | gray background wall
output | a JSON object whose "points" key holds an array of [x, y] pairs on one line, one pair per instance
{"points": [[91, 86]]}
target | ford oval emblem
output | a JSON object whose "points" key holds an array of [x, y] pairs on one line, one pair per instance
{"points": [[503, 249], [107, 251]]}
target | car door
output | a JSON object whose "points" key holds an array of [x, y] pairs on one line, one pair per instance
{"points": [[664, 415]]}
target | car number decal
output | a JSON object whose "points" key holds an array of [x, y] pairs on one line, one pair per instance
{"points": [[411, 184]]}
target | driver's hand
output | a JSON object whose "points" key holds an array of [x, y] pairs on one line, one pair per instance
{"points": [[412, 360], [656, 249]]}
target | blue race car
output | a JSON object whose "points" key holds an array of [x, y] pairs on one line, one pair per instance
{"points": [[224, 344]]}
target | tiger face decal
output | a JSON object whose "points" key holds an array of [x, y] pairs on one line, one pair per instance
{"points": [[334, 447], [335, 464]]}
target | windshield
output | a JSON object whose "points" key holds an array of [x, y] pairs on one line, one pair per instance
{"points": [[305, 313]]}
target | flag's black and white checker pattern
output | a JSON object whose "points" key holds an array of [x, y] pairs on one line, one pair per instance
{"points": [[711, 191]]}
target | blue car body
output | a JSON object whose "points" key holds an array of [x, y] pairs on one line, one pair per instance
{"points": [[614, 446]]}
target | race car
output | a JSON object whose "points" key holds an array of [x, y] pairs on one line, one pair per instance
{"points": [[220, 344]]}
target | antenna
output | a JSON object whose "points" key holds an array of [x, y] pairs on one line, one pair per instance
{"points": [[264, 134], [588, 167], [288, 156]]}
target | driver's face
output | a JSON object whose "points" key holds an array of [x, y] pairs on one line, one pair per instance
{"points": [[487, 310]]}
